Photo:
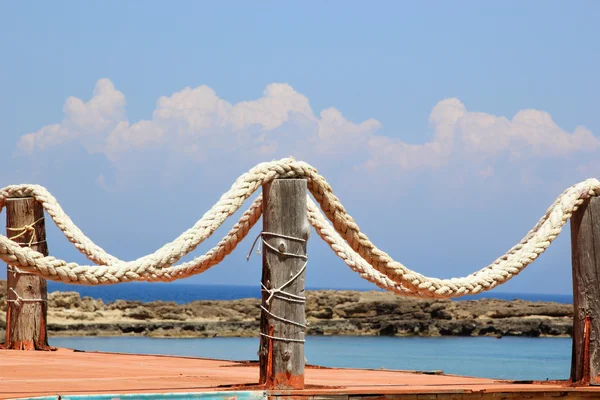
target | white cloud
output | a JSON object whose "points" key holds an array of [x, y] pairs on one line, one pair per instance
{"points": [[195, 125], [87, 122], [335, 134], [196, 122], [480, 138]]}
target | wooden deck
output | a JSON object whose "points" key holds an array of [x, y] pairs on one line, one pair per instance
{"points": [[65, 374]]}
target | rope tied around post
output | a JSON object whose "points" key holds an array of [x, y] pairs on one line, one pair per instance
{"points": [[24, 229], [334, 225], [16, 271], [20, 300], [280, 293], [27, 292]]}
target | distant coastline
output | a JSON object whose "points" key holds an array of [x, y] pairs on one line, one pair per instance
{"points": [[181, 292], [329, 312]]}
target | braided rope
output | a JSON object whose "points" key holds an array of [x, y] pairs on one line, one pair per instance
{"points": [[59, 270], [344, 237]]}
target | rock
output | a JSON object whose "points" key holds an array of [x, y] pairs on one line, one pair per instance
{"points": [[323, 313], [328, 312], [175, 316], [72, 300], [124, 305], [89, 304], [140, 313], [63, 300]]}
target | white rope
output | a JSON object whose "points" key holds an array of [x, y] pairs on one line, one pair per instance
{"points": [[263, 234], [24, 229], [282, 338], [59, 270], [16, 271], [275, 292], [30, 228], [344, 237], [31, 243], [20, 300], [287, 321], [279, 293]]}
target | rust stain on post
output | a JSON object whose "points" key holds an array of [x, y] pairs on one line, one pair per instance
{"points": [[266, 379], [585, 380]]}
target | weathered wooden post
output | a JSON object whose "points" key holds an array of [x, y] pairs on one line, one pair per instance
{"points": [[283, 321], [585, 247], [26, 293]]}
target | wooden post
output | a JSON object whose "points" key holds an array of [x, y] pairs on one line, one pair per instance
{"points": [[281, 352], [585, 247], [25, 313]]}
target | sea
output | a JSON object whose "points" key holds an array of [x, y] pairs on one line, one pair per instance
{"points": [[186, 292], [513, 358]]}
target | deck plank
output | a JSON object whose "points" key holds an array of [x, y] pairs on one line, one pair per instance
{"points": [[36, 373]]}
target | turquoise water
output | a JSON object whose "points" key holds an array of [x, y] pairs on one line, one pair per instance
{"points": [[506, 358]]}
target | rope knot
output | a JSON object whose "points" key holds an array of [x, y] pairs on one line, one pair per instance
{"points": [[30, 228], [16, 271], [19, 301]]}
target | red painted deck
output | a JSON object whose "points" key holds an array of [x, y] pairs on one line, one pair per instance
{"points": [[35, 373]]}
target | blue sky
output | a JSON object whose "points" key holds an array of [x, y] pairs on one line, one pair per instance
{"points": [[446, 129]]}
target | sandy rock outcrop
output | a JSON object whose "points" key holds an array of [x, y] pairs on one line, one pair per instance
{"points": [[328, 312]]}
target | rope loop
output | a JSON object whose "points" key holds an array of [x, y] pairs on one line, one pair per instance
{"points": [[16, 271], [19, 301], [282, 339], [25, 229], [280, 293], [328, 216]]}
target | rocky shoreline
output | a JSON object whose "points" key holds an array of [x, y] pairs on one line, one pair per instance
{"points": [[328, 312]]}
